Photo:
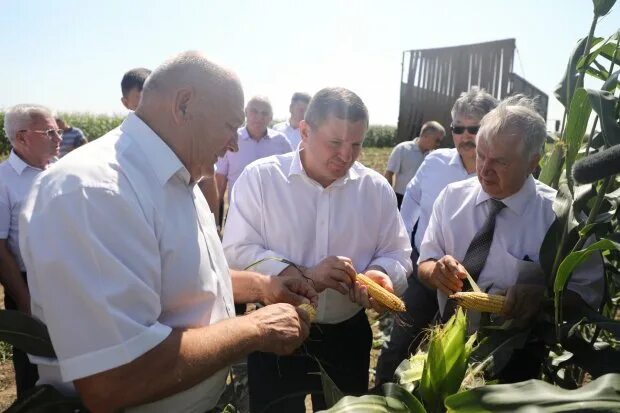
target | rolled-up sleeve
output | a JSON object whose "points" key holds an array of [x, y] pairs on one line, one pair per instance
{"points": [[94, 271], [393, 164]]}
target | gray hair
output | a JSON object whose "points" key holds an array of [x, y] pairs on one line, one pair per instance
{"points": [[432, 126], [335, 101], [516, 116], [20, 116], [476, 102], [260, 99], [187, 68]]}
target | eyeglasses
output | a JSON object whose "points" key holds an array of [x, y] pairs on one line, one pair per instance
{"points": [[49, 132], [461, 129]]}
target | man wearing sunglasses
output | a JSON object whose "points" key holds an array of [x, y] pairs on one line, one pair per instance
{"points": [[439, 169], [35, 138]]}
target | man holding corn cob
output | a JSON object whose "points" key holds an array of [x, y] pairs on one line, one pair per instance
{"points": [[125, 264], [492, 226], [328, 217]]}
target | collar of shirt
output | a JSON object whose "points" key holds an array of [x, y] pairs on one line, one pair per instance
{"points": [[456, 160], [297, 168], [245, 135], [515, 202], [19, 164], [416, 145], [163, 161]]}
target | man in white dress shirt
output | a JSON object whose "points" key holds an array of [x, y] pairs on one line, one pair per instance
{"points": [[125, 264], [290, 128], [508, 149], [332, 217], [440, 168], [35, 138], [406, 157]]}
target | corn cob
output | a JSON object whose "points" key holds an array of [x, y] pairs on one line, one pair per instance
{"points": [[383, 296], [310, 310], [483, 302]]}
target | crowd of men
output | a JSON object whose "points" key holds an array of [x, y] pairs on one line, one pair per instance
{"points": [[116, 247]]}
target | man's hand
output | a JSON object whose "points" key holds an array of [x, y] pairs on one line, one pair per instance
{"points": [[289, 289], [282, 327], [445, 274], [333, 272], [359, 292], [523, 301]]}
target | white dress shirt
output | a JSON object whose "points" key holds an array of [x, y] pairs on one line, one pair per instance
{"points": [[440, 168], [232, 163], [120, 249], [16, 178], [520, 228], [293, 135], [278, 211], [404, 161]]}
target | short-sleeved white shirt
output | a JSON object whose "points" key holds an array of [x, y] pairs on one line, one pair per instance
{"points": [[16, 178], [404, 161], [232, 163], [293, 135], [120, 249]]}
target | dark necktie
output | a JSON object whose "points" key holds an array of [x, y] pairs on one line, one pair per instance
{"points": [[478, 250]]}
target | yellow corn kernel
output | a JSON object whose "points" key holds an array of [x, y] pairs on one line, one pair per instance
{"points": [[483, 302], [383, 296], [310, 310]]}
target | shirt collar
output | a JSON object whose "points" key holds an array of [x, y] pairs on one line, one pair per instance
{"points": [[19, 164], [455, 160], [516, 202], [245, 135], [163, 161], [297, 168]]}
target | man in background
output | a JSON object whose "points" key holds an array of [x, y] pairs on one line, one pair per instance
{"points": [[72, 137], [131, 86], [407, 157], [290, 128], [35, 139]]}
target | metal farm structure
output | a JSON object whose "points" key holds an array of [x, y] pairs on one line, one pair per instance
{"points": [[432, 79]]}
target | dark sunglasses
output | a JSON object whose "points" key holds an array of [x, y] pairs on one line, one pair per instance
{"points": [[461, 129]]}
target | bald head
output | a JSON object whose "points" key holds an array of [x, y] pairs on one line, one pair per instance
{"points": [[195, 106], [189, 69]]}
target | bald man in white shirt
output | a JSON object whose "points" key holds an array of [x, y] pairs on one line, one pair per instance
{"points": [[505, 209], [328, 217], [125, 265]]}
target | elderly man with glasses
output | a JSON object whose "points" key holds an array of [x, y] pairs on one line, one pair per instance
{"points": [[439, 169], [35, 138]]}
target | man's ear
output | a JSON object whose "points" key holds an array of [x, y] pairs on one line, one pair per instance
{"points": [[124, 102], [304, 130], [181, 104], [534, 162]]}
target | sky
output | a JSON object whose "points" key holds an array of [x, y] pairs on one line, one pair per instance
{"points": [[71, 55]]}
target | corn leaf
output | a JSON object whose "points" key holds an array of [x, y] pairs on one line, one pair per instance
{"points": [[409, 371], [331, 392], [26, 333], [395, 400], [552, 168], [600, 395], [604, 104], [602, 7], [576, 125], [566, 88]]}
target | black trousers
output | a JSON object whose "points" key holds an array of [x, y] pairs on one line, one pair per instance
{"points": [[280, 384], [26, 373], [399, 199]]}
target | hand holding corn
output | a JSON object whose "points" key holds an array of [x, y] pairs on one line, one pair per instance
{"points": [[445, 274], [373, 289], [332, 272]]}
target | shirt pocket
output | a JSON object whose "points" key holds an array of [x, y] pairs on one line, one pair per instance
{"points": [[503, 270]]}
